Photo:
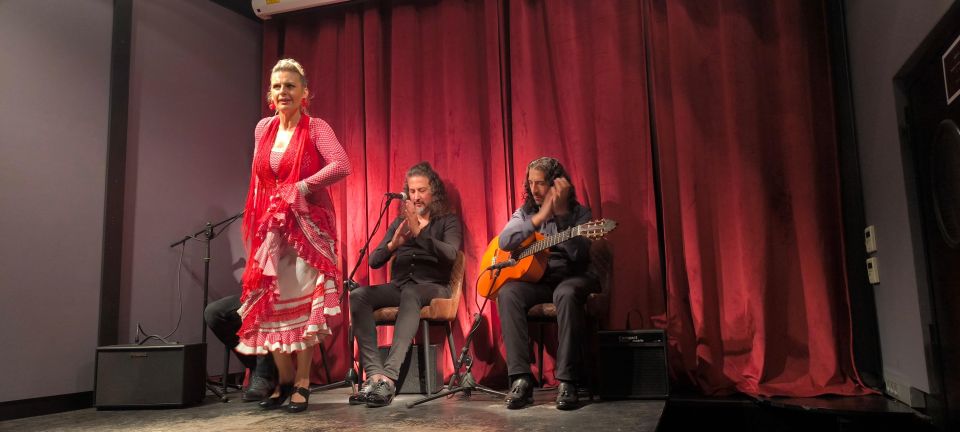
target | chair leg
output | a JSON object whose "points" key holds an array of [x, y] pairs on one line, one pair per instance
{"points": [[326, 367], [226, 369], [589, 341], [585, 376], [425, 349], [453, 348], [540, 357]]}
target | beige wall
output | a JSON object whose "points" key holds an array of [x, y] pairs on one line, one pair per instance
{"points": [[54, 90], [194, 99]]}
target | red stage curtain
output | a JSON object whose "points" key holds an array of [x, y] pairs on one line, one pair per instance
{"points": [[402, 82], [578, 93], [755, 278], [756, 287]]}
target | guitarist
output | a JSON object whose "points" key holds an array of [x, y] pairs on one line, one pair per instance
{"points": [[550, 205]]}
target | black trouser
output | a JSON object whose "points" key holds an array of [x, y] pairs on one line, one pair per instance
{"points": [[515, 300], [223, 320], [410, 298]]}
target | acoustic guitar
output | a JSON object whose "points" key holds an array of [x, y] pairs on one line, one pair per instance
{"points": [[529, 261]]}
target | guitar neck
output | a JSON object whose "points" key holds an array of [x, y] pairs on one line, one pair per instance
{"points": [[547, 242]]}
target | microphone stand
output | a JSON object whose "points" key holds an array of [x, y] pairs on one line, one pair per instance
{"points": [[208, 235], [352, 378], [465, 383]]}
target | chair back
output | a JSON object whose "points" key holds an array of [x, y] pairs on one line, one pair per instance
{"points": [[445, 309], [601, 265]]}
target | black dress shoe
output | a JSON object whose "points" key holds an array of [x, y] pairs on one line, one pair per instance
{"points": [[274, 402], [521, 393], [295, 407], [382, 394], [567, 396], [361, 397], [260, 388]]}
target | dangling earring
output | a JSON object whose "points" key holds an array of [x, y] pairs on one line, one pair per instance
{"points": [[272, 107], [306, 103]]}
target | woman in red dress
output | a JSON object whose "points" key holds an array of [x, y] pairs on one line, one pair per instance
{"points": [[290, 284]]}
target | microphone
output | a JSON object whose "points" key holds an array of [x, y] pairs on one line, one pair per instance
{"points": [[397, 195], [508, 263]]}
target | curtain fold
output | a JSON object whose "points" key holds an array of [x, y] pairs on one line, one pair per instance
{"points": [[756, 285], [578, 80], [755, 290], [402, 82]]}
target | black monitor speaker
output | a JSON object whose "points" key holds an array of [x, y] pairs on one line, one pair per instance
{"points": [[632, 364], [131, 376]]}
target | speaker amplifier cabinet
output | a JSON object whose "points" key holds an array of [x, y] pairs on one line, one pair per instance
{"points": [[129, 376], [414, 370], [633, 364]]}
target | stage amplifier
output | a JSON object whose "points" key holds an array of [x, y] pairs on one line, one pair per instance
{"points": [[414, 370], [632, 364], [149, 375]]}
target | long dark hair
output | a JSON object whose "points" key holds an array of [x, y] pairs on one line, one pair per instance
{"points": [[552, 170], [440, 205]]}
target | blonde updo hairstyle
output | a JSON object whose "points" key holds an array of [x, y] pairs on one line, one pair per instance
{"points": [[289, 65]]}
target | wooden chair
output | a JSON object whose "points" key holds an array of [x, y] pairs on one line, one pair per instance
{"points": [[441, 311], [597, 306]]}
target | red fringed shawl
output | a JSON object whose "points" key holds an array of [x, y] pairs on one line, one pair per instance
{"points": [[274, 202]]}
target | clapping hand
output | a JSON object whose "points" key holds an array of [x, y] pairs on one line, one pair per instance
{"points": [[559, 195], [400, 236], [557, 199], [412, 216]]}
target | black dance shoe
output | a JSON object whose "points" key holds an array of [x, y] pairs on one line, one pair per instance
{"points": [[260, 388], [361, 397], [521, 393], [382, 394], [274, 402], [295, 407], [567, 396]]}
